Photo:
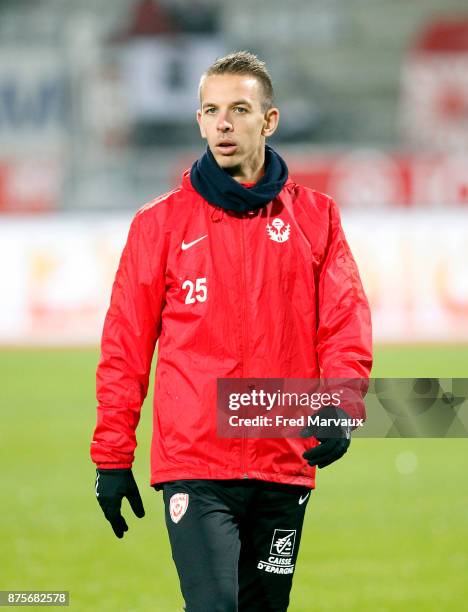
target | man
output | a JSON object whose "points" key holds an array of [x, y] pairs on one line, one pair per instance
{"points": [[239, 272]]}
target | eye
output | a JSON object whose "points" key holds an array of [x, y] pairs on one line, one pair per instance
{"points": [[209, 111], [240, 109]]}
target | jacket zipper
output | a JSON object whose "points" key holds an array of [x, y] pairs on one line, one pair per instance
{"points": [[244, 336]]}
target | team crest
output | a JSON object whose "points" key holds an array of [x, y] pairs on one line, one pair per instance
{"points": [[278, 231], [178, 505]]}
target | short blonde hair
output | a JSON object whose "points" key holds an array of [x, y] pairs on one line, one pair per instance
{"points": [[243, 63]]}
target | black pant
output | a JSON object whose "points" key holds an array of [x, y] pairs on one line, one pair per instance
{"points": [[234, 542]]}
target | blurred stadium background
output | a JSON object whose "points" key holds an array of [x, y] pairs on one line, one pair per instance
{"points": [[97, 103]]}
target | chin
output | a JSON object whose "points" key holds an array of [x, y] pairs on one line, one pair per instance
{"points": [[222, 159], [226, 161]]}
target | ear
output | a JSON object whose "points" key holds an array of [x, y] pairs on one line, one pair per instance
{"points": [[200, 124], [270, 122]]}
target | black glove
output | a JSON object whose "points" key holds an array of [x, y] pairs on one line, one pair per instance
{"points": [[334, 438], [111, 487]]}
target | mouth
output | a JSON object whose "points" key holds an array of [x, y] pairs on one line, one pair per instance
{"points": [[226, 148]]}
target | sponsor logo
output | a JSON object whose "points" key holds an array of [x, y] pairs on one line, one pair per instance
{"points": [[281, 551], [283, 542], [303, 498], [187, 245], [278, 231], [273, 566], [178, 505]]}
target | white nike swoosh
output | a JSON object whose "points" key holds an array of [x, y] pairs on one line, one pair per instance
{"points": [[302, 499], [187, 245]]}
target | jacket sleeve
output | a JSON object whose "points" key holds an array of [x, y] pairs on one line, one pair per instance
{"points": [[344, 333], [131, 329]]}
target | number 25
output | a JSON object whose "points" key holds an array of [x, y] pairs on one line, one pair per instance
{"points": [[196, 292]]}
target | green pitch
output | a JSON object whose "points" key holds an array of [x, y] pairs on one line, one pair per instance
{"points": [[386, 529]]}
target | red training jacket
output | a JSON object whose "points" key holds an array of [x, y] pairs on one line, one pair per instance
{"points": [[273, 293]]}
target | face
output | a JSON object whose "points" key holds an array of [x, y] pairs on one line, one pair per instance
{"points": [[233, 122]]}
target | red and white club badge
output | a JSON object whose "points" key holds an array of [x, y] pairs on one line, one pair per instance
{"points": [[178, 505]]}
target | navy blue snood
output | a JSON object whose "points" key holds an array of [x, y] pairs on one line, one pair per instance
{"points": [[217, 187]]}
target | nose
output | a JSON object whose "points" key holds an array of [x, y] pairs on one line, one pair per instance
{"points": [[224, 125]]}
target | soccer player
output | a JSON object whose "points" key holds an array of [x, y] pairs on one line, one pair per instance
{"points": [[239, 272]]}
